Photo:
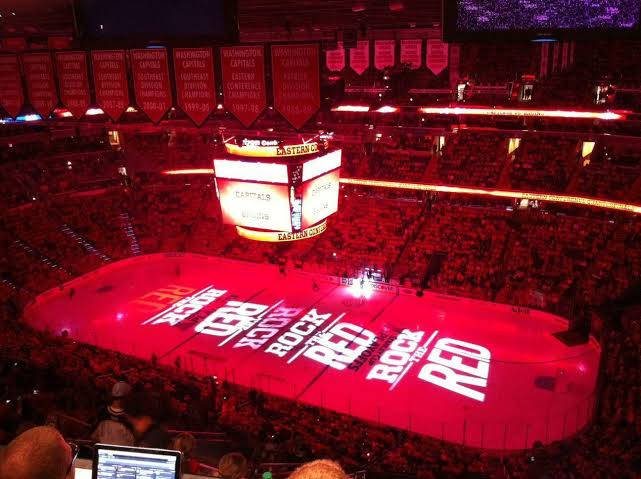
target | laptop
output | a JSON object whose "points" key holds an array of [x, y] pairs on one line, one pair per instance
{"points": [[120, 462]]}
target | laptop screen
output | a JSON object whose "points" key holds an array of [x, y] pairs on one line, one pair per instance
{"points": [[113, 462]]}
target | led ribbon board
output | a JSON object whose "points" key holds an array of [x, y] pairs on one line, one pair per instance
{"points": [[402, 185], [258, 149], [281, 236]]}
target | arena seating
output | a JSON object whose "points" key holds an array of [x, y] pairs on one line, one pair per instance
{"points": [[552, 258]]}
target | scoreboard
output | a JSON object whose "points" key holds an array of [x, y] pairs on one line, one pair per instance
{"points": [[277, 190]]}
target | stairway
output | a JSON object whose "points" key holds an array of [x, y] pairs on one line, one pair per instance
{"points": [[128, 228], [84, 243]]}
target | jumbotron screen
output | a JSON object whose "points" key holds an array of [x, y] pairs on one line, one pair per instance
{"points": [[539, 15], [320, 198], [255, 205]]}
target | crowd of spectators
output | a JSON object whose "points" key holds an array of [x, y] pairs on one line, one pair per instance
{"points": [[536, 255]]}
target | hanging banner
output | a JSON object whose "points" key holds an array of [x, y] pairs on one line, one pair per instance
{"points": [[195, 86], [11, 95], [243, 71], [411, 52], [454, 64], [556, 57], [545, 56], [436, 55], [73, 81], [296, 81], [41, 86], [384, 54], [335, 59], [110, 80], [359, 57], [151, 81], [564, 55]]}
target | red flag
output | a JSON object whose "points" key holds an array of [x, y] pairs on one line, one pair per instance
{"points": [[437, 57], [335, 59], [296, 80], [411, 52], [243, 70], [384, 54], [73, 81], [11, 95], [41, 86], [110, 79], [359, 57], [195, 87], [151, 81], [545, 56]]}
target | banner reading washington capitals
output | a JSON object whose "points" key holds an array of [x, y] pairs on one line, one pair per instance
{"points": [[151, 81], [195, 88], [384, 53], [73, 81], [11, 95], [411, 52], [243, 70], [296, 81], [110, 79], [359, 57], [41, 86], [335, 59], [436, 55]]}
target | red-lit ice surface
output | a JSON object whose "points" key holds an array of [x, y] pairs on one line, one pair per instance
{"points": [[483, 374]]}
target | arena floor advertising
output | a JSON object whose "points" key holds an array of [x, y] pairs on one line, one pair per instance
{"points": [[478, 373]]}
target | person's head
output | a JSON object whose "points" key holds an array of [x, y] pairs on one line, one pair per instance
{"points": [[120, 391], [232, 466], [39, 453], [185, 443], [320, 469]]}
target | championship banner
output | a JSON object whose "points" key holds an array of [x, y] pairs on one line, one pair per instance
{"points": [[565, 55], [359, 57], [41, 86], [73, 82], [151, 81], [411, 52], [11, 95], [384, 54], [545, 56], [296, 81], [110, 79], [454, 64], [335, 59], [195, 87], [243, 70], [555, 57], [436, 55]]}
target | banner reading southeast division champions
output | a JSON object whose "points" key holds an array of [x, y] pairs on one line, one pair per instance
{"points": [[73, 81], [110, 79], [296, 81], [243, 70], [255, 205], [151, 81], [195, 88], [11, 95]]}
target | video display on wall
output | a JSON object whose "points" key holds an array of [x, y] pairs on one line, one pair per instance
{"points": [[469, 17]]}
